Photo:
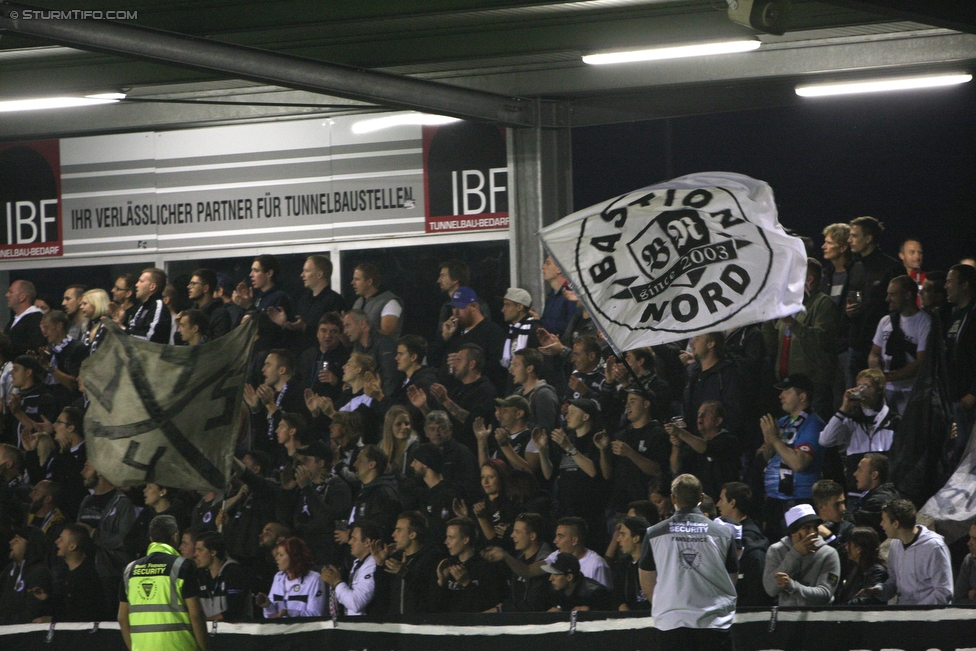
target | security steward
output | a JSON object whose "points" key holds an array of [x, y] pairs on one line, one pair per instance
{"points": [[159, 601], [687, 569]]}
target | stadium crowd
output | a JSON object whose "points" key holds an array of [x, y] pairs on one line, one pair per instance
{"points": [[495, 464]]}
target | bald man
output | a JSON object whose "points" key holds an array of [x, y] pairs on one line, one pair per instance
{"points": [[24, 327]]}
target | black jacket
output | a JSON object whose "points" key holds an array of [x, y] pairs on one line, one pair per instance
{"points": [[722, 382], [752, 563], [869, 512], [379, 502], [152, 321], [17, 604], [961, 353], [414, 588], [219, 318], [317, 508], [250, 516], [26, 334], [856, 581], [585, 592], [870, 275], [483, 592], [71, 598], [422, 378]]}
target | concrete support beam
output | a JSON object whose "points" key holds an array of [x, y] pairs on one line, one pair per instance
{"points": [[540, 164]]}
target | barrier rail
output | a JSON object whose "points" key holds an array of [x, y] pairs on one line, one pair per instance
{"points": [[790, 629]]}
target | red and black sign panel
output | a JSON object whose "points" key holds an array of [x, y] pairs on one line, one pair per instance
{"points": [[465, 177], [30, 200]]}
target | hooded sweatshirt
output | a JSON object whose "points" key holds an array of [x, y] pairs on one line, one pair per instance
{"points": [[919, 573], [17, 604], [814, 577]]}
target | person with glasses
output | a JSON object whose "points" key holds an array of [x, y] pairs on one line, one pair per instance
{"points": [[201, 290], [66, 463]]}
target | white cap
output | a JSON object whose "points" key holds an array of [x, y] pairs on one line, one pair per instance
{"points": [[801, 514]]}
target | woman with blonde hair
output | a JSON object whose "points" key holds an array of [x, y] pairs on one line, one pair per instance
{"points": [[398, 439], [93, 306]]}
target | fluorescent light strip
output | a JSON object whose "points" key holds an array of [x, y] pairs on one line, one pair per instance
{"points": [[375, 124], [677, 52], [58, 102], [881, 85]]}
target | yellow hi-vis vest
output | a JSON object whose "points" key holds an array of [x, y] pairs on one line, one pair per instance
{"points": [[158, 617]]}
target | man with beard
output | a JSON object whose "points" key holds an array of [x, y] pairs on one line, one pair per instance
{"points": [[70, 303], [468, 325], [46, 516], [109, 514], [469, 398]]}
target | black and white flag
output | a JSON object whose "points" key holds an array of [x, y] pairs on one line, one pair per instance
{"points": [[165, 414], [700, 253]]}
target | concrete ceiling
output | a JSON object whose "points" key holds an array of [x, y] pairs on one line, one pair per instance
{"points": [[523, 55]]}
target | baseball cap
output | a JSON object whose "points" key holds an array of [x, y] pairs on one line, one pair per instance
{"points": [[518, 402], [797, 381], [431, 456], [317, 449], [564, 563], [591, 407], [518, 295], [463, 297], [31, 363], [799, 515]]}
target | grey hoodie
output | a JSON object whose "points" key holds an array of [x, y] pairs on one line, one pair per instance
{"points": [[815, 576], [920, 573]]}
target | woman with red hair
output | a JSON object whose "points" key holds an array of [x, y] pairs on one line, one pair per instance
{"points": [[297, 591], [495, 513]]}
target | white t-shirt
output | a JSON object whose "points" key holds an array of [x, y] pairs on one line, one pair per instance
{"points": [[392, 308], [592, 566], [916, 329]]}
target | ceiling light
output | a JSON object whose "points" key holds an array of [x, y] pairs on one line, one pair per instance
{"points": [[676, 52], [881, 85], [375, 124], [59, 102]]}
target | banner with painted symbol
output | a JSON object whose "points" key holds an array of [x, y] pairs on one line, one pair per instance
{"points": [[165, 414], [700, 253]]}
